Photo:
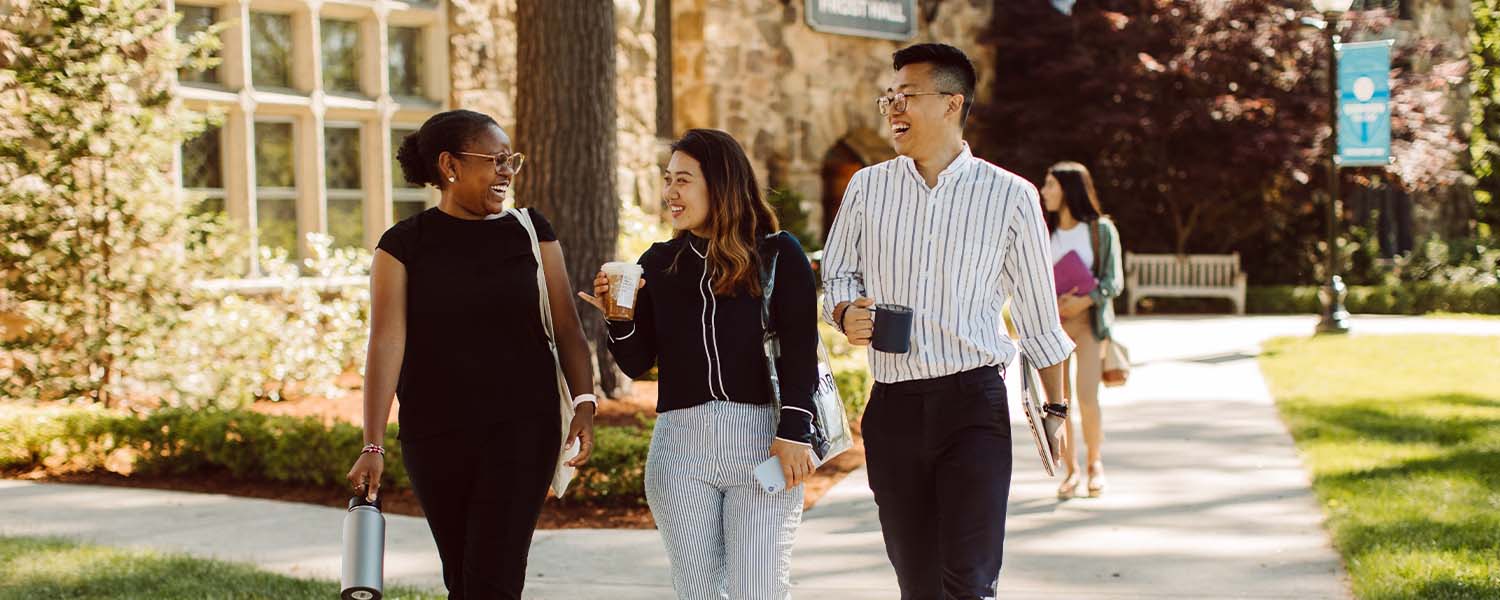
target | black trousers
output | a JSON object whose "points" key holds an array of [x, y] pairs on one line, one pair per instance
{"points": [[482, 491], [938, 454]]}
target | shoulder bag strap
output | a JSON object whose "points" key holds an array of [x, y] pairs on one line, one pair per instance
{"points": [[562, 474], [770, 342], [545, 301], [1094, 239], [767, 286]]}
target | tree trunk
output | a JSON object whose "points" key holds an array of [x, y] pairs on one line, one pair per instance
{"points": [[565, 124]]}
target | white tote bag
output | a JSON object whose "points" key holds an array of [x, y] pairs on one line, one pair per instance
{"points": [[564, 473]]}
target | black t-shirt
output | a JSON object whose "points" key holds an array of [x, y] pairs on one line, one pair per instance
{"points": [[476, 351]]}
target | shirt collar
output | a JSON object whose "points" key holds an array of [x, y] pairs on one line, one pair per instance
{"points": [[698, 245], [960, 163]]}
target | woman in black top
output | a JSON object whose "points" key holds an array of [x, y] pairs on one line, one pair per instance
{"points": [[456, 332], [698, 320]]}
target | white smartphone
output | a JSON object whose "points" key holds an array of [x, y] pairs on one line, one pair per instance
{"points": [[769, 475]]}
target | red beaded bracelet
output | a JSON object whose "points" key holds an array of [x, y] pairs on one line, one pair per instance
{"points": [[375, 448]]}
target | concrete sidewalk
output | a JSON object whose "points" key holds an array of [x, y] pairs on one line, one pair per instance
{"points": [[1207, 499]]}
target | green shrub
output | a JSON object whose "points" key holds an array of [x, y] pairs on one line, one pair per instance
{"points": [[1450, 261], [1392, 299], [1282, 299], [1167, 305], [792, 213], [181, 441], [854, 390], [616, 473]]}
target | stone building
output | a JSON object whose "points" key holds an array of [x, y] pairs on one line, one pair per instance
{"points": [[801, 100], [317, 93]]}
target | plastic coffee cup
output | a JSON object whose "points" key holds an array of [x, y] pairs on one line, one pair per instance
{"points": [[619, 301], [892, 329]]}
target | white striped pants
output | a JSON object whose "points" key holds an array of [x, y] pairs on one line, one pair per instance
{"points": [[725, 536]]}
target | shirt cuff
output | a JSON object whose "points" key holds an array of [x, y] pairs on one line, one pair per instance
{"points": [[1049, 348], [620, 330], [794, 442], [801, 410], [796, 425]]}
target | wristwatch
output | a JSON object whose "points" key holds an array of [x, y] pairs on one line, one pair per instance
{"points": [[1058, 410]]}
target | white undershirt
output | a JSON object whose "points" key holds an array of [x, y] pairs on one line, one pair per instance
{"points": [[1073, 240]]}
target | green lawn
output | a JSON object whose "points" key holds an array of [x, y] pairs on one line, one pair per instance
{"points": [[1448, 315], [1402, 435], [48, 568]]}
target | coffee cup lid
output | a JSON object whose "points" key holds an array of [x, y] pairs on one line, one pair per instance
{"points": [[621, 267]]}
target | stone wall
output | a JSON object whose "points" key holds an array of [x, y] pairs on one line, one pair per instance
{"points": [[750, 67], [639, 147], [790, 94], [482, 51]]}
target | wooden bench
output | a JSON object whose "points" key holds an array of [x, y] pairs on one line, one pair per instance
{"points": [[1190, 276]]}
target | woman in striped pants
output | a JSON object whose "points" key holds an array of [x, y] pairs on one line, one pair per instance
{"points": [[698, 321]]}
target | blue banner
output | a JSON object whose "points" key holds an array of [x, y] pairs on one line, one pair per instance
{"points": [[1364, 104]]}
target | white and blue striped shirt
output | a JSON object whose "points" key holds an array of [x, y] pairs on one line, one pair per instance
{"points": [[953, 253]]}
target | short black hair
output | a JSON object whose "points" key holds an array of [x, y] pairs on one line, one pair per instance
{"points": [[449, 132], [951, 70]]}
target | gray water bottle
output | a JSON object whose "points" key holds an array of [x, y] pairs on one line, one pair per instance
{"points": [[364, 550]]}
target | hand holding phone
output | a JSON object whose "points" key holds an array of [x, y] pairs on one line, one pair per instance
{"points": [[770, 476]]}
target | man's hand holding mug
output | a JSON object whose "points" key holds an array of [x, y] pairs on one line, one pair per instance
{"points": [[858, 321]]}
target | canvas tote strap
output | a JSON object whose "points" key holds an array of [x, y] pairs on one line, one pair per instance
{"points": [[541, 273]]}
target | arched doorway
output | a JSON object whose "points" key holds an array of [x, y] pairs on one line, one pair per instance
{"points": [[839, 166], [856, 150]]}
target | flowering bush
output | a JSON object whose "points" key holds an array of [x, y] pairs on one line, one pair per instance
{"points": [[96, 263], [299, 338]]}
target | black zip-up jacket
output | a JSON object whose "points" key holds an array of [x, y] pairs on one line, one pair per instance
{"points": [[709, 347]]}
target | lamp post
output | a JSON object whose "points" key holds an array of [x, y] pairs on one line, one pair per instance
{"points": [[1335, 316]]}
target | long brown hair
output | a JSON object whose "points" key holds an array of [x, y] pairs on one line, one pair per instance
{"points": [[738, 217], [1078, 193]]}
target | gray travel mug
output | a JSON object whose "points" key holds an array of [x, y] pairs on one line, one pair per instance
{"points": [[892, 329], [364, 550]]}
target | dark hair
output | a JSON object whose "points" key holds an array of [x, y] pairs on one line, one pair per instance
{"points": [[738, 217], [951, 70], [1078, 193], [443, 132]]}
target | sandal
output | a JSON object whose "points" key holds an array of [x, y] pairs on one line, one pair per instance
{"points": [[1097, 482], [1069, 487]]}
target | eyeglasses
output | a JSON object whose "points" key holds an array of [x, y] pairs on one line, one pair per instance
{"points": [[898, 102], [511, 161]]}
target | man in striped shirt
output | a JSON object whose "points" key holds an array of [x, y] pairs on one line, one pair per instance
{"points": [[950, 236]]}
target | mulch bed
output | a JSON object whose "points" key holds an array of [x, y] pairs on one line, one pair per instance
{"points": [[349, 408]]}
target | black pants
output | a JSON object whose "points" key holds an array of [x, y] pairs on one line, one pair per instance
{"points": [[938, 453], [482, 490]]}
